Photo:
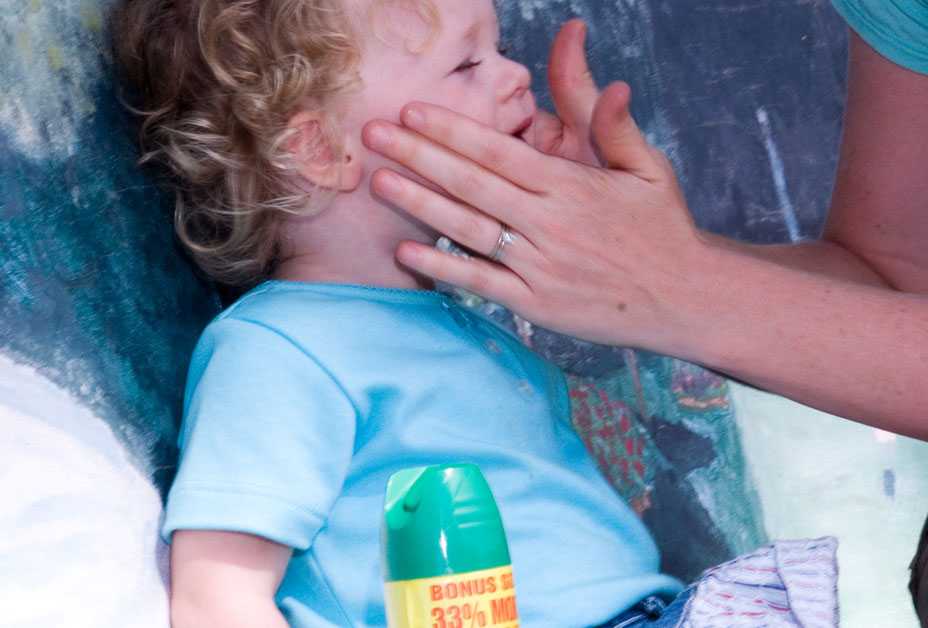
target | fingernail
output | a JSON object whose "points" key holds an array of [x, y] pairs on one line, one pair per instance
{"points": [[378, 136], [414, 118], [389, 183]]}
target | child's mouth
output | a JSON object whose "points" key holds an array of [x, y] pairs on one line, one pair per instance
{"points": [[519, 132]]}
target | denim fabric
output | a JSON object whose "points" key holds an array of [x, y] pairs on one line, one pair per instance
{"points": [[652, 612]]}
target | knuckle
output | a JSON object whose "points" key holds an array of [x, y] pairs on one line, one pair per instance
{"points": [[545, 269], [548, 224], [494, 155], [465, 181], [468, 228], [602, 183], [582, 177], [477, 279], [582, 185]]}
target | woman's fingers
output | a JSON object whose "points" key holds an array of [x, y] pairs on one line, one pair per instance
{"points": [[548, 134], [465, 225], [506, 156], [458, 175], [621, 144], [572, 86], [491, 281]]}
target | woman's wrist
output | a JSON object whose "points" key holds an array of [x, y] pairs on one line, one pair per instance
{"points": [[742, 314], [687, 308]]}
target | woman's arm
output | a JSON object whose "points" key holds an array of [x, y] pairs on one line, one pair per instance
{"points": [[880, 205], [849, 349], [225, 579]]}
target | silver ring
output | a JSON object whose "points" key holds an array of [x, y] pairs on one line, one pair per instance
{"points": [[506, 237]]}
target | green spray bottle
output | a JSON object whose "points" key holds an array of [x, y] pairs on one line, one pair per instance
{"points": [[445, 557]]}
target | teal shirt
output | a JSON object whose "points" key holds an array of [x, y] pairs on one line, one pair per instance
{"points": [[897, 29], [302, 400]]}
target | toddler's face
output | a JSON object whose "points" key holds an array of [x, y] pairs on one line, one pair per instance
{"points": [[461, 68]]}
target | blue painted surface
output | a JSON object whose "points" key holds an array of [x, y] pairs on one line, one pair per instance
{"points": [[93, 291]]}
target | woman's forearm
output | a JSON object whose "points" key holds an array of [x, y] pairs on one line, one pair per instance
{"points": [[846, 348], [822, 257]]}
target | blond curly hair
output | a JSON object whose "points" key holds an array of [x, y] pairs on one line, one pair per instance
{"points": [[217, 83]]}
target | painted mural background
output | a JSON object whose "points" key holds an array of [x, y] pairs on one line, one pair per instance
{"points": [[99, 310]]}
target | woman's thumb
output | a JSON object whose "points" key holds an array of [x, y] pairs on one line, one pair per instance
{"points": [[620, 142]]}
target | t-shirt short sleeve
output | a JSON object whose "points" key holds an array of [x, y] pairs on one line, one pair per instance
{"points": [[897, 29], [266, 440]]}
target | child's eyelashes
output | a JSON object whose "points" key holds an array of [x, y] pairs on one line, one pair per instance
{"points": [[471, 64], [467, 65]]}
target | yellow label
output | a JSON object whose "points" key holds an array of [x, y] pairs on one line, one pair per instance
{"points": [[476, 599]]}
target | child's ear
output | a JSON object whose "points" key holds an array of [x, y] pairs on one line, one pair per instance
{"points": [[315, 158]]}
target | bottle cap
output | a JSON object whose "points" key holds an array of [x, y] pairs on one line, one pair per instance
{"points": [[438, 521]]}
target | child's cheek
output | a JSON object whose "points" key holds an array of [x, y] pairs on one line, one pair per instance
{"points": [[468, 98]]}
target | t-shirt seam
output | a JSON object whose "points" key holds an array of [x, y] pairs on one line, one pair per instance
{"points": [[328, 584], [202, 487], [229, 311], [187, 426], [369, 293], [486, 321], [299, 347]]}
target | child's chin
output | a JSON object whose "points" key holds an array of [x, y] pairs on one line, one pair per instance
{"points": [[530, 136]]}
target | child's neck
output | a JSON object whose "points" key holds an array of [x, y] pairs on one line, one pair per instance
{"points": [[308, 268], [352, 242]]}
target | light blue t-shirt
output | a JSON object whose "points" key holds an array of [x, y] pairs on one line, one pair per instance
{"points": [[897, 29], [302, 399]]}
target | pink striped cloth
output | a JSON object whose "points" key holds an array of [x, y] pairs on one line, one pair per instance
{"points": [[788, 583]]}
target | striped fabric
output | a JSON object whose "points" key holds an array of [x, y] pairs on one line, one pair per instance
{"points": [[789, 583]]}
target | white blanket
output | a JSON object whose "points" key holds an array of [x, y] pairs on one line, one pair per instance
{"points": [[78, 523]]}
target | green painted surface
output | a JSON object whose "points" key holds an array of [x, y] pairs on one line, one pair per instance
{"points": [[820, 475]]}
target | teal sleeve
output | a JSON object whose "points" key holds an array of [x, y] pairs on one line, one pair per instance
{"points": [[897, 29], [266, 441]]}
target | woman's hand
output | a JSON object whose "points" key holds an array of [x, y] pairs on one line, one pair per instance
{"points": [[599, 253]]}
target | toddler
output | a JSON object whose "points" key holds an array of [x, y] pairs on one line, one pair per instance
{"points": [[339, 367]]}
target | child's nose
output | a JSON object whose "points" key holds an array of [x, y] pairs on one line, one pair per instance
{"points": [[516, 81]]}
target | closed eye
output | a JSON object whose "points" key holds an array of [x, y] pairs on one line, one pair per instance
{"points": [[467, 65]]}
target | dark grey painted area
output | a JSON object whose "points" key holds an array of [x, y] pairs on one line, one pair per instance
{"points": [[702, 71]]}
